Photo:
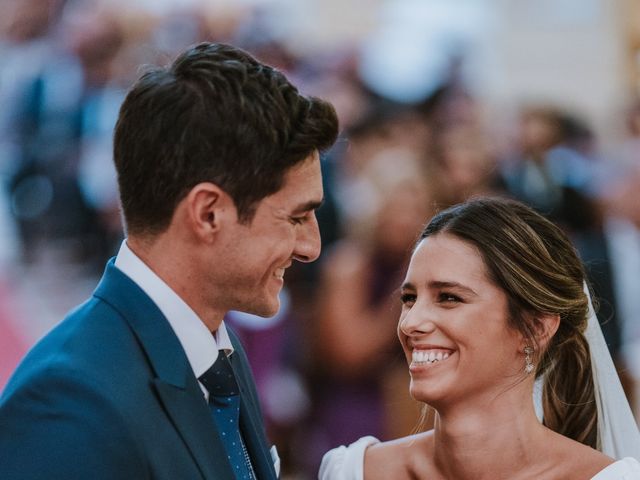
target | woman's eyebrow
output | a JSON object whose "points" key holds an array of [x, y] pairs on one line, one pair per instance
{"points": [[447, 284]]}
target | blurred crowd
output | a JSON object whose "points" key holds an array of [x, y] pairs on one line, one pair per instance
{"points": [[328, 366]]}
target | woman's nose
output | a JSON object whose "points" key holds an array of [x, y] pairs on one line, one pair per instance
{"points": [[416, 321]]}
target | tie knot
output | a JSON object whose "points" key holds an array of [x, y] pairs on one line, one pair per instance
{"points": [[219, 380]]}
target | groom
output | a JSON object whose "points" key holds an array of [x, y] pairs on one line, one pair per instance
{"points": [[219, 178]]}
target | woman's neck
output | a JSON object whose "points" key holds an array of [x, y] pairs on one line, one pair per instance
{"points": [[488, 439]]}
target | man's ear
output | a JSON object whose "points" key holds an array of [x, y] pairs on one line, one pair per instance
{"points": [[206, 206]]}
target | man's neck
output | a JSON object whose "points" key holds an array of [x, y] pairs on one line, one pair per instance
{"points": [[166, 259]]}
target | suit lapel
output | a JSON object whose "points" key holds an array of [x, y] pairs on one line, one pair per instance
{"points": [[175, 384], [189, 415], [260, 457]]}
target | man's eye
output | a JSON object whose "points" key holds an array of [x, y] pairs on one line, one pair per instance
{"points": [[408, 299], [298, 220]]}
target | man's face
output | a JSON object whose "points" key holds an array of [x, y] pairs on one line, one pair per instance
{"points": [[283, 229]]}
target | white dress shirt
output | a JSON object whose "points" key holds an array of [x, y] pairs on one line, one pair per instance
{"points": [[200, 346]]}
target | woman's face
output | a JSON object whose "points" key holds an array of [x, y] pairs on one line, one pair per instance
{"points": [[453, 326]]}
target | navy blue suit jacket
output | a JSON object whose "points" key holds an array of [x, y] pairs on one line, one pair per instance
{"points": [[109, 394]]}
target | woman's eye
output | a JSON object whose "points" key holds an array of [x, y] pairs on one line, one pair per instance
{"points": [[408, 299], [448, 298]]}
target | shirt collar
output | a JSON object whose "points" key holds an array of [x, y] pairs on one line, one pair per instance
{"points": [[200, 346]]}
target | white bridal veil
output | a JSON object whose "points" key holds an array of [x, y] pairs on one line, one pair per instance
{"points": [[618, 434]]}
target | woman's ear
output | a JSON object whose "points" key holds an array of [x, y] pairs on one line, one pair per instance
{"points": [[546, 327]]}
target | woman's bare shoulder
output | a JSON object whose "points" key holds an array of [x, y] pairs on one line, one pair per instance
{"points": [[576, 460], [399, 459]]}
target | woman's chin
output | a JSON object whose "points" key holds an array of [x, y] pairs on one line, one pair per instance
{"points": [[430, 395]]}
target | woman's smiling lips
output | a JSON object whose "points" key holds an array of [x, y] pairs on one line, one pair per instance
{"points": [[428, 356]]}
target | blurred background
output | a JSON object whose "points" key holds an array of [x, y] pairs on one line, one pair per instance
{"points": [[438, 101]]}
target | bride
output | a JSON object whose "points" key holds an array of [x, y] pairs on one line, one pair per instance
{"points": [[493, 299]]}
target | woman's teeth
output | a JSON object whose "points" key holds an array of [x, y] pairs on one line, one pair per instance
{"points": [[427, 357]]}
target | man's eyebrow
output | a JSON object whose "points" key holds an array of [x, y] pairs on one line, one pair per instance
{"points": [[307, 207]]}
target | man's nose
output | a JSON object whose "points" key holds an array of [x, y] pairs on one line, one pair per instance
{"points": [[308, 244]]}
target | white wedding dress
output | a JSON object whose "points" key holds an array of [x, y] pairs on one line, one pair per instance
{"points": [[347, 463]]}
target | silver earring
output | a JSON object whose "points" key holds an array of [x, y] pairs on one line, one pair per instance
{"points": [[529, 366]]}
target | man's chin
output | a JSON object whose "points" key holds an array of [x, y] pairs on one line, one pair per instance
{"points": [[267, 309]]}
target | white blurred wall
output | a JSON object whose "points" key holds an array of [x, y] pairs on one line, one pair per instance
{"points": [[566, 52]]}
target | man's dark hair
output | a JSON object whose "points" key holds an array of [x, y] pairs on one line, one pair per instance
{"points": [[215, 115]]}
